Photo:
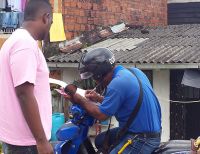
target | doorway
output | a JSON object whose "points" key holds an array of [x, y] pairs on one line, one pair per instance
{"points": [[184, 117]]}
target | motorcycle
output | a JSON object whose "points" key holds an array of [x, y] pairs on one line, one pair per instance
{"points": [[73, 135]]}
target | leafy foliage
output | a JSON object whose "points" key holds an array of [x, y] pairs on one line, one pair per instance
{"points": [[1, 148]]}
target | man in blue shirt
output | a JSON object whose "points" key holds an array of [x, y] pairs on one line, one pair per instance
{"points": [[119, 100]]}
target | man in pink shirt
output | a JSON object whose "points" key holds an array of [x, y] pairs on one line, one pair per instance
{"points": [[25, 98]]}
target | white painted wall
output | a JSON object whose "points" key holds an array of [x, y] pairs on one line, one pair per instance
{"points": [[70, 74], [182, 1], [161, 85]]}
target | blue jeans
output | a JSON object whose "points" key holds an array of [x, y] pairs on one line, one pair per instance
{"points": [[10, 20], [139, 145], [14, 19], [13, 149]]}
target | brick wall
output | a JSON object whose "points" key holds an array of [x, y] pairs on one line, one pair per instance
{"points": [[86, 15], [56, 5], [56, 74], [2, 40]]}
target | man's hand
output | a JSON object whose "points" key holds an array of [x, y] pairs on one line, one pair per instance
{"points": [[91, 107], [74, 98], [62, 92], [44, 148], [93, 96]]}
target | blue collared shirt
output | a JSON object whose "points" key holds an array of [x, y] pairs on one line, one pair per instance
{"points": [[122, 95]]}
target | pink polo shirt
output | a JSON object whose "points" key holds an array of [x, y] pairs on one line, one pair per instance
{"points": [[22, 61]]}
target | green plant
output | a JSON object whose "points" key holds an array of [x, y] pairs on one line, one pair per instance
{"points": [[85, 84], [53, 92], [1, 148]]}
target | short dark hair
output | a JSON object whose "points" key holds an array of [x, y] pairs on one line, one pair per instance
{"points": [[34, 7]]}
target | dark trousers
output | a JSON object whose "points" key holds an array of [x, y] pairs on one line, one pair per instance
{"points": [[14, 149]]}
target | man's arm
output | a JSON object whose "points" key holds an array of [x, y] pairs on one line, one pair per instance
{"points": [[31, 114], [90, 107]]}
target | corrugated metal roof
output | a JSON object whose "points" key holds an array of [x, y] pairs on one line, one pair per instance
{"points": [[172, 44], [118, 44]]}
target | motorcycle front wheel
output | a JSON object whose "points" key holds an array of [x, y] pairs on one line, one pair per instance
{"points": [[86, 147]]}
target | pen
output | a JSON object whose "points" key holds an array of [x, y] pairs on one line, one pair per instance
{"points": [[95, 87], [93, 90]]}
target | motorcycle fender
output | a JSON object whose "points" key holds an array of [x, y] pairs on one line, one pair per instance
{"points": [[68, 131]]}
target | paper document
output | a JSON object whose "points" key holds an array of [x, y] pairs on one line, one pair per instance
{"points": [[64, 84], [80, 92], [58, 82]]}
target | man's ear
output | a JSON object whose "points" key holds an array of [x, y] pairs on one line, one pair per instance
{"points": [[45, 18]]}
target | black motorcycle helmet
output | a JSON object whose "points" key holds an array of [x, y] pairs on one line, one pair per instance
{"points": [[96, 63]]}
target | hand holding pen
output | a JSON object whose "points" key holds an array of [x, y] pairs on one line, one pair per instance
{"points": [[93, 95]]}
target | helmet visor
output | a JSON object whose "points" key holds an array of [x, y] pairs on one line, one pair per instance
{"points": [[86, 75]]}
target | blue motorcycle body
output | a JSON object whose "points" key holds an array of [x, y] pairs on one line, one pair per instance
{"points": [[74, 133]]}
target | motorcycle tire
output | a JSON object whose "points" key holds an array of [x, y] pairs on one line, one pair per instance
{"points": [[86, 147]]}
